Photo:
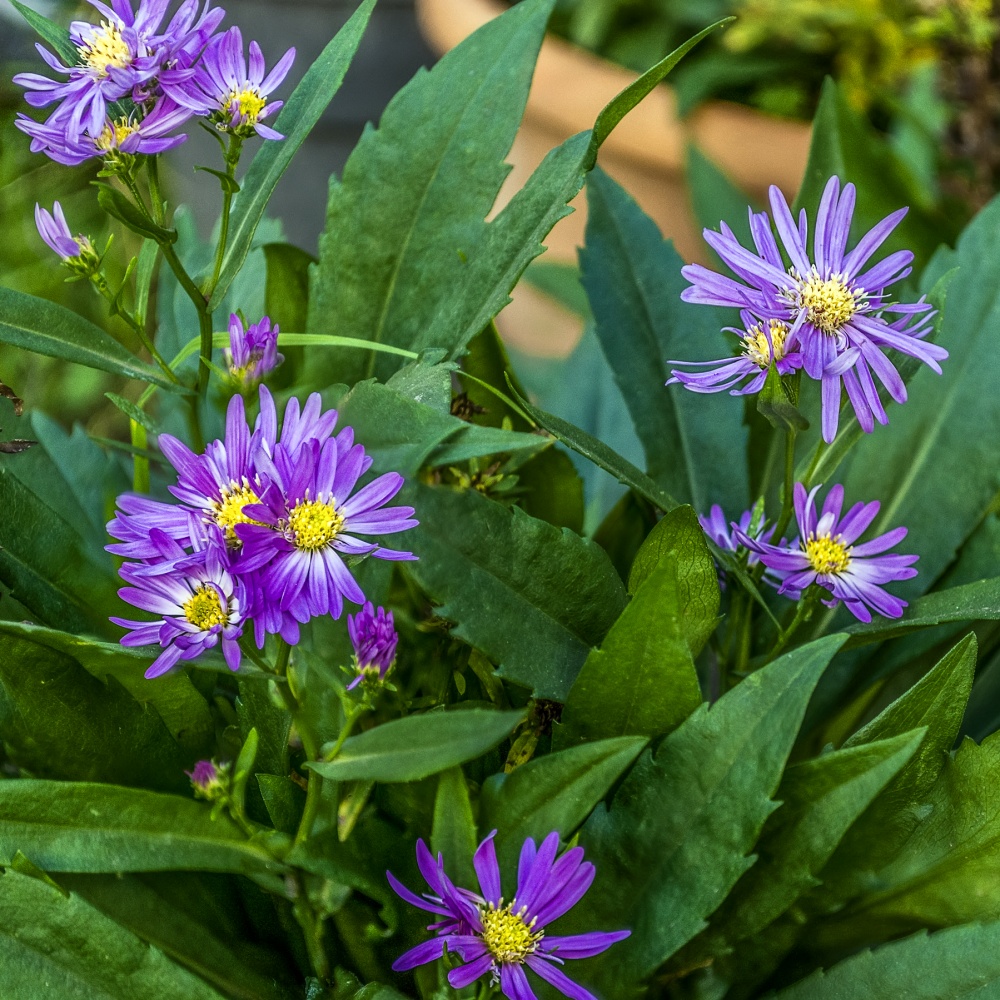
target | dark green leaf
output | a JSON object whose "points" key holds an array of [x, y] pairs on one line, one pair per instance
{"points": [[419, 745], [133, 412], [454, 832], [284, 801], [286, 300], [296, 120], [49, 31], [120, 207], [715, 198], [225, 181], [533, 597]]}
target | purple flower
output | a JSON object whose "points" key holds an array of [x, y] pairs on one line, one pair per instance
{"points": [[54, 230], [762, 341], [200, 602], [236, 97], [834, 304], [252, 352], [825, 554], [307, 521], [721, 531], [373, 636], [208, 779], [500, 939]]}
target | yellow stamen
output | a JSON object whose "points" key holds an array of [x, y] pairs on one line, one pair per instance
{"points": [[315, 524], [829, 302], [826, 554], [755, 345], [229, 510], [507, 936], [250, 104], [115, 133], [204, 609], [106, 49]]}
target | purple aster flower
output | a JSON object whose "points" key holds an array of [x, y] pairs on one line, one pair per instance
{"points": [[373, 636], [201, 603], [208, 779], [825, 554], [834, 303], [234, 95], [54, 230], [132, 135], [721, 531], [500, 939], [761, 341], [252, 352], [307, 521]]}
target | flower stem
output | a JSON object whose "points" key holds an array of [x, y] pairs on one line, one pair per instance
{"points": [[232, 161], [803, 613], [789, 485]]}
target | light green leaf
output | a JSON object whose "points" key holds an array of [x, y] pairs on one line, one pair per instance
{"points": [[454, 830], [419, 745], [295, 121]]}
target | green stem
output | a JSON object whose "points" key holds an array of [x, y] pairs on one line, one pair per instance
{"points": [[246, 644], [807, 479], [232, 161], [803, 613], [281, 660], [156, 199], [140, 462], [787, 499]]}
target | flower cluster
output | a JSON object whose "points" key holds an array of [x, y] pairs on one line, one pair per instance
{"points": [[262, 530], [135, 82], [500, 939], [825, 553], [829, 315]]}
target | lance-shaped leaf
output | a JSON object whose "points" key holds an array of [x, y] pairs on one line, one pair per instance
{"points": [[454, 830], [296, 120], [533, 597], [681, 828], [56, 943], [46, 328]]}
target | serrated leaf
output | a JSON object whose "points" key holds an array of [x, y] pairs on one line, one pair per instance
{"points": [[83, 827], [67, 948], [532, 597], [295, 121], [419, 745], [677, 837], [50, 329], [633, 281], [555, 792]]}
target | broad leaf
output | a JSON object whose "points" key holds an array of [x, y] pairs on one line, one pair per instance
{"points": [[296, 120], [419, 745], [533, 597], [286, 299]]}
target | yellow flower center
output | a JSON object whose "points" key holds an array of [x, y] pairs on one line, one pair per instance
{"points": [[826, 554], [115, 133], [828, 302], [106, 48], [315, 524], [756, 347], [250, 103], [204, 609], [507, 936], [228, 510]]}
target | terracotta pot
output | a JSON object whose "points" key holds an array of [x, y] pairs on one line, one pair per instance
{"points": [[646, 152]]}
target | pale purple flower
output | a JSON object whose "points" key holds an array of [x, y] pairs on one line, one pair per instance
{"points": [[721, 531], [201, 604], [54, 230], [761, 341], [500, 939], [253, 352], [373, 636], [825, 554], [834, 303], [233, 94]]}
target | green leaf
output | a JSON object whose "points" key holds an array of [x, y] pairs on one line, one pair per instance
{"points": [[530, 596], [642, 680], [552, 489], [256, 709], [49, 31], [961, 963], [419, 745], [555, 792], [418, 189], [50, 329], [286, 299], [454, 831], [120, 207], [706, 818], [680, 533], [284, 801], [81, 827], [715, 198], [776, 405], [132, 411], [64, 947], [634, 283], [295, 121], [601, 455]]}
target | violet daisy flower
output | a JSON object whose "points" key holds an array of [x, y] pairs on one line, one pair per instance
{"points": [[235, 96], [502, 939], [761, 341], [307, 522], [833, 303], [201, 603], [76, 251], [721, 531], [252, 352], [373, 636], [209, 780], [825, 554]]}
